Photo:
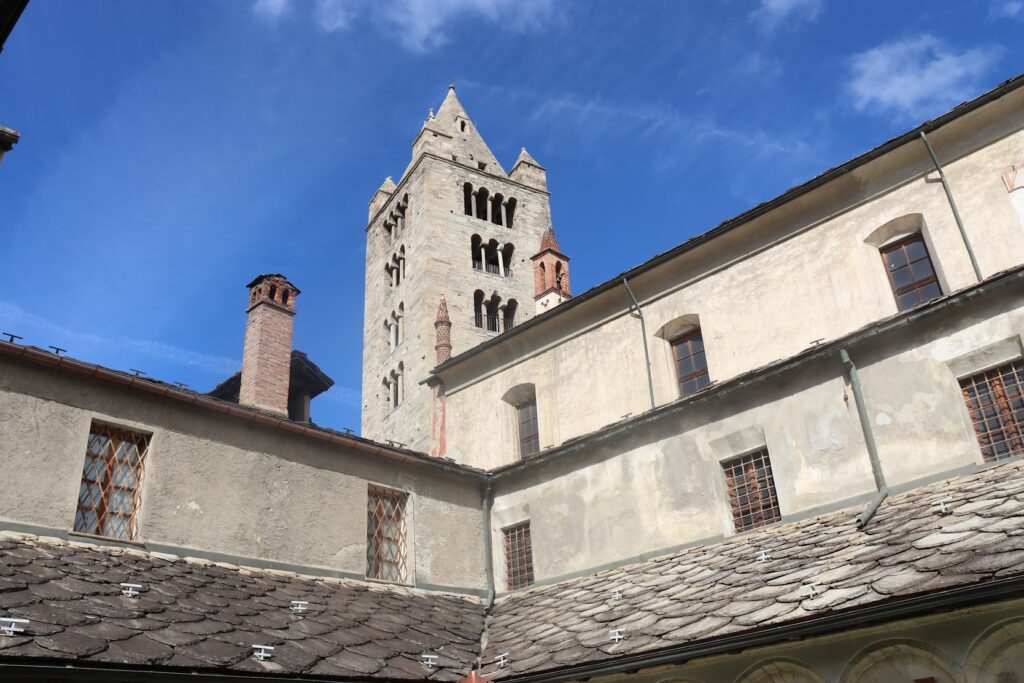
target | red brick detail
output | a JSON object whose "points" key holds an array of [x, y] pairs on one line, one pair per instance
{"points": [[443, 331], [551, 273], [267, 357]]}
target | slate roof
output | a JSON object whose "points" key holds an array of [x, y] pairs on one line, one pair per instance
{"points": [[200, 616], [911, 547], [197, 615]]}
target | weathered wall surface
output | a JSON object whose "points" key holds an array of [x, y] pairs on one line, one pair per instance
{"points": [[214, 483], [806, 271], [660, 483], [437, 241]]}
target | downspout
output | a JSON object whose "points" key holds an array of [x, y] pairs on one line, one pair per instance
{"points": [[952, 205], [869, 440], [643, 331], [488, 568]]}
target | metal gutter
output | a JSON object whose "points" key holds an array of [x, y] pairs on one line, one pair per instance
{"points": [[932, 125], [765, 372], [244, 413], [952, 205], [869, 441], [643, 334], [858, 617]]}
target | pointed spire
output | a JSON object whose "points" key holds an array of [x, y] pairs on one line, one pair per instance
{"points": [[442, 311], [443, 332], [526, 158], [381, 196], [527, 171], [549, 241], [387, 186]]}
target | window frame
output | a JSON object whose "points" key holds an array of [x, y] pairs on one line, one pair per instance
{"points": [[1004, 419], [379, 566], [518, 542], [915, 286], [106, 480], [751, 514], [531, 439], [701, 376]]}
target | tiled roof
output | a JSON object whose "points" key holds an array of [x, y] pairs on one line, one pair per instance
{"points": [[197, 615], [911, 547]]}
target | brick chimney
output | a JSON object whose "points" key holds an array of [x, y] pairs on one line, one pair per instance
{"points": [[267, 358]]}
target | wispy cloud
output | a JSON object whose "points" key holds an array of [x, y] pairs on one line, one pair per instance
{"points": [[774, 14], [421, 25], [33, 326], [334, 15], [916, 77], [271, 10], [424, 23], [1006, 9]]}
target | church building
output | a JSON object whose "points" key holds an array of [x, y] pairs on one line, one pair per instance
{"points": [[788, 450]]}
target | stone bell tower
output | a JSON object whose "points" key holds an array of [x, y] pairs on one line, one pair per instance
{"points": [[455, 226]]}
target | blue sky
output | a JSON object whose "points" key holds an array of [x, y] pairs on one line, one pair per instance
{"points": [[174, 149]]}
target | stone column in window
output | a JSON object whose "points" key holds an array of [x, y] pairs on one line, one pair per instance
{"points": [[501, 260]]}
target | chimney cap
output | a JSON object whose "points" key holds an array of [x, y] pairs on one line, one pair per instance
{"points": [[273, 276]]}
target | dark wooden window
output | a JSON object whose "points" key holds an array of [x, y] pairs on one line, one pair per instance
{"points": [[109, 496], [529, 437], [691, 365], [385, 535], [910, 271], [751, 489], [518, 556], [995, 400]]}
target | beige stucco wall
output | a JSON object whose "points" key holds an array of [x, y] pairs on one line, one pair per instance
{"points": [[215, 483], [659, 483], [803, 272]]}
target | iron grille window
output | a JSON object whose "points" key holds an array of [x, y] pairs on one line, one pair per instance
{"points": [[751, 489], [529, 437], [109, 496], [518, 556], [910, 271], [691, 365], [385, 535], [995, 400]]}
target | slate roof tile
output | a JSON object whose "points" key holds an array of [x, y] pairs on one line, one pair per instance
{"points": [[909, 548]]}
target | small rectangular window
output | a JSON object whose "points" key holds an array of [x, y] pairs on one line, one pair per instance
{"points": [[691, 364], [995, 400], [109, 496], [518, 556], [751, 489], [529, 437], [385, 534], [910, 272]]}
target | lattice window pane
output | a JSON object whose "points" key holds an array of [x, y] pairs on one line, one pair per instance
{"points": [[518, 556], [911, 272], [529, 436], [691, 364], [385, 535], [109, 496], [995, 400], [751, 490]]}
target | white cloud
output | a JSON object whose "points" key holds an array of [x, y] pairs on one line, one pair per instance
{"points": [[421, 23], [1006, 9], [32, 326], [771, 14], [916, 77], [334, 15], [271, 10]]}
